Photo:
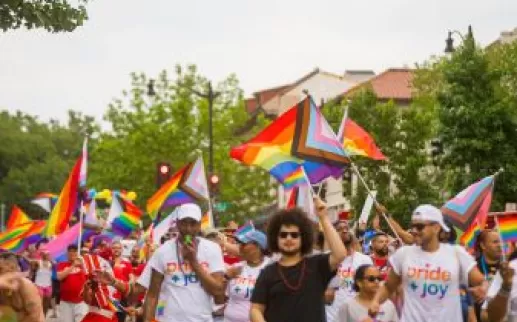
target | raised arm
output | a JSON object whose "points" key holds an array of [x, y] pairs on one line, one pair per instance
{"points": [[405, 236], [336, 246]]}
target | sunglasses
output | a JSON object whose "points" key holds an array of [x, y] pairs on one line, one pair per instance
{"points": [[373, 278], [293, 234], [420, 226]]}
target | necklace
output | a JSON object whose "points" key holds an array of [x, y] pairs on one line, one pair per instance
{"points": [[298, 285]]}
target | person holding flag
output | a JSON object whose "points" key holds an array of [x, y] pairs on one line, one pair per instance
{"points": [[293, 288]]}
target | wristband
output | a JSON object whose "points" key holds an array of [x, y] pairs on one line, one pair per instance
{"points": [[503, 293]]}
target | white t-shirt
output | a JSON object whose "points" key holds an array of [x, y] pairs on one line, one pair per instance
{"points": [[344, 282], [44, 274], [497, 282], [431, 282], [239, 292], [182, 298], [353, 311]]}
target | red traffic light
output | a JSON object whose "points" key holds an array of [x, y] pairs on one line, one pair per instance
{"points": [[214, 179], [165, 169]]}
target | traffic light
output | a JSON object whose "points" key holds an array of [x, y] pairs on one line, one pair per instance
{"points": [[213, 183], [163, 173]]}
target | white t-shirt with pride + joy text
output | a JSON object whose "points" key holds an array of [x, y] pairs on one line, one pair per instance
{"points": [[182, 298], [239, 292], [344, 282], [431, 282]]}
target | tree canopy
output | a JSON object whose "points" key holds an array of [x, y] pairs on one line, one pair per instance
{"points": [[51, 15]]}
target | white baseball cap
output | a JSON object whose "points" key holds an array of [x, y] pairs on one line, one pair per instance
{"points": [[429, 213], [189, 210]]}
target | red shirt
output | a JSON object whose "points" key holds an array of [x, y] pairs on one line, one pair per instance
{"points": [[230, 260], [122, 271], [382, 265], [72, 285], [137, 271]]}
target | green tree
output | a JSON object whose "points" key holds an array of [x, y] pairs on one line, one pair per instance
{"points": [[172, 126], [37, 157], [477, 117], [407, 178], [51, 15]]}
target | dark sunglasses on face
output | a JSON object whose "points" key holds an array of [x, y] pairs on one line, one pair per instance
{"points": [[373, 279], [420, 226], [293, 234]]}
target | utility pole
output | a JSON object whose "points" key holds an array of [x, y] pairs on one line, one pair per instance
{"points": [[210, 95], [2, 216]]}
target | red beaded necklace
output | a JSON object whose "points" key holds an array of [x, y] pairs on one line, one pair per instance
{"points": [[300, 280]]}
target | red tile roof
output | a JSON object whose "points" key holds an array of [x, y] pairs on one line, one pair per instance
{"points": [[392, 84], [261, 97]]}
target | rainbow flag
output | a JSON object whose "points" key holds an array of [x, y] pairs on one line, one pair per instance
{"points": [[508, 228], [301, 197], [356, 141], [177, 198], [17, 217], [128, 219], [473, 203], [468, 238], [20, 237], [300, 136], [155, 203], [66, 205], [293, 179]]}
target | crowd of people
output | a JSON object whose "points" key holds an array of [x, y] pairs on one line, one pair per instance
{"points": [[291, 270]]}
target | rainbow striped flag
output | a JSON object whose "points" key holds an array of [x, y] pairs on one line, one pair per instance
{"points": [[20, 237], [468, 238], [356, 141], [128, 218], [508, 228], [156, 202], [299, 137], [17, 217], [293, 179], [66, 205]]}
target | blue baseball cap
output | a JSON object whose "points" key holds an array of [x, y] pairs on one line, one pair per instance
{"points": [[255, 236]]}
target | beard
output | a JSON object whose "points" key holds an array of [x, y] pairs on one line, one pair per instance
{"points": [[382, 252], [289, 253]]}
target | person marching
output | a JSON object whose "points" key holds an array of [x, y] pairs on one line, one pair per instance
{"points": [[242, 277], [430, 272], [292, 289]]}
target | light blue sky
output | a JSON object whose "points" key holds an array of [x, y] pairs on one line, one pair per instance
{"points": [[266, 43]]}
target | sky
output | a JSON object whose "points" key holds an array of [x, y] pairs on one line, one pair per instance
{"points": [[265, 43]]}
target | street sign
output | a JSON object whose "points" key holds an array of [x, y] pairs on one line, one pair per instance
{"points": [[221, 206]]}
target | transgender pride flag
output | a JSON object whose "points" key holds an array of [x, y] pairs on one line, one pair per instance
{"points": [[471, 204]]}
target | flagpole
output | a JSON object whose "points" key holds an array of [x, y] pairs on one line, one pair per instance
{"points": [[500, 235], [361, 178], [496, 220], [81, 215]]}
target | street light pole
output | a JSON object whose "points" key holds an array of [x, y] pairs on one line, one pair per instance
{"points": [[210, 95]]}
